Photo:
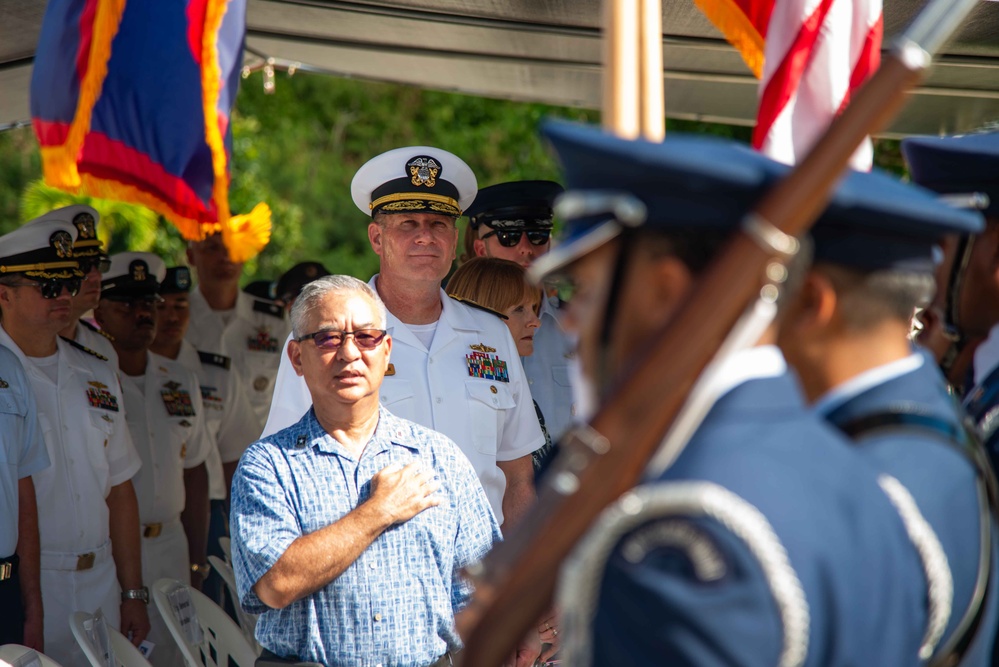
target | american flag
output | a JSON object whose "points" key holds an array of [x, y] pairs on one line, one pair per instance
{"points": [[810, 56]]}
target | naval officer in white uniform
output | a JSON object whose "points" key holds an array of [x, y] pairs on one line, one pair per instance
{"points": [[166, 418], [454, 368], [87, 511]]}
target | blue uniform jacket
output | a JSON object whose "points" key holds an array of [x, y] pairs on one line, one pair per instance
{"points": [[940, 478], [681, 590]]}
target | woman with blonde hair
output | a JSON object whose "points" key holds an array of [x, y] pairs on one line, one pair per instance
{"points": [[501, 286]]}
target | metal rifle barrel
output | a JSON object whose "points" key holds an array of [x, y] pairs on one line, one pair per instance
{"points": [[515, 582]]}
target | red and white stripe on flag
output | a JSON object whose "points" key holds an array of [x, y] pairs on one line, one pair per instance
{"points": [[816, 54]]}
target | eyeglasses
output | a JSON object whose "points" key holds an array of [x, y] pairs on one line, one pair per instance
{"points": [[102, 263], [52, 287], [133, 303], [331, 339], [508, 238]]}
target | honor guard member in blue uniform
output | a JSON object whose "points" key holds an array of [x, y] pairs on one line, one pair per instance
{"points": [[227, 321], [166, 418], [454, 368], [766, 540], [94, 262], [965, 170], [89, 534], [24, 454], [847, 336], [513, 221], [231, 420]]}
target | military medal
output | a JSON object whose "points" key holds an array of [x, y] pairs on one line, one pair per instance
{"points": [[99, 397], [486, 366], [262, 342], [176, 400], [260, 383]]}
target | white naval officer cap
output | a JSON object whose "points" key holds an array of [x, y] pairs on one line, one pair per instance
{"points": [[41, 248], [415, 179], [133, 274]]}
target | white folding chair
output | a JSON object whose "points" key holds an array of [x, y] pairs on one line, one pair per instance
{"points": [[226, 545], [207, 637], [247, 622], [16, 655], [88, 630]]}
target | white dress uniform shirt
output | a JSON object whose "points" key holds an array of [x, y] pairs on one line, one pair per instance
{"points": [[21, 446], [230, 417], [251, 338], [166, 419], [548, 372], [91, 451], [489, 419]]}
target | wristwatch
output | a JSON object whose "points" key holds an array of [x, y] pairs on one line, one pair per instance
{"points": [[136, 594], [202, 569]]}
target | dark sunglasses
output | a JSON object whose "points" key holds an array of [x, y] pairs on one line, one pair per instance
{"points": [[102, 263], [133, 303], [331, 339], [52, 287], [508, 238]]}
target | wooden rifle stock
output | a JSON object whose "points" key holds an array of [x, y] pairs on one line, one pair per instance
{"points": [[515, 583]]}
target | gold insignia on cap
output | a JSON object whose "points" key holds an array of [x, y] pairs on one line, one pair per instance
{"points": [[423, 170], [86, 226], [482, 348], [139, 271], [62, 242]]}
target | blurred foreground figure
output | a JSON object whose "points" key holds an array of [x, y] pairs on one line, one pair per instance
{"points": [[847, 335], [350, 526], [765, 540]]}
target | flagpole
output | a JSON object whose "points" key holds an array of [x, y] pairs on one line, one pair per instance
{"points": [[622, 68], [653, 114]]}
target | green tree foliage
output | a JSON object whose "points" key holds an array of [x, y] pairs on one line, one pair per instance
{"points": [[298, 149]]}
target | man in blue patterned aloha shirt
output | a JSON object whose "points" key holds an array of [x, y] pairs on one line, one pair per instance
{"points": [[349, 528]]}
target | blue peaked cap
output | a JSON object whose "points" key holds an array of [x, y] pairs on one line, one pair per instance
{"points": [[691, 182], [875, 221], [957, 165], [685, 182]]}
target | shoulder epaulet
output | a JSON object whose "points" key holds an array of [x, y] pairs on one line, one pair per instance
{"points": [[268, 308], [97, 330], [213, 359], [84, 348], [473, 304]]}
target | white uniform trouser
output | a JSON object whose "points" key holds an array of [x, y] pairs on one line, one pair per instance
{"points": [[164, 556], [66, 590]]}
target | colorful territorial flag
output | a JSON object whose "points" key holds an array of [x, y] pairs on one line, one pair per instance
{"points": [[130, 100], [810, 56]]}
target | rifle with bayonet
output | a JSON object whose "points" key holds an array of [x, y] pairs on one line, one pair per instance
{"points": [[514, 584]]}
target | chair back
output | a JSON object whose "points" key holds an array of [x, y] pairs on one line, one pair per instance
{"points": [[226, 544], [207, 637], [16, 655], [89, 632], [247, 622]]}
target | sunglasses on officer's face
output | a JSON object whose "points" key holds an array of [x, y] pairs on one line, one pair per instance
{"points": [[102, 263], [508, 238], [52, 287]]}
